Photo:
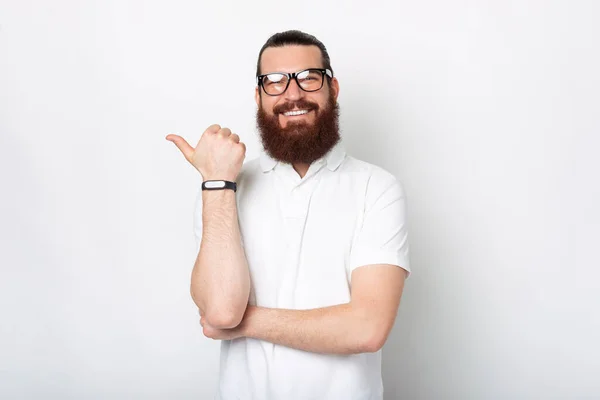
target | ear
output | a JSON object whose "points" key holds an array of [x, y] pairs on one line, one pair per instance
{"points": [[335, 86], [257, 96]]}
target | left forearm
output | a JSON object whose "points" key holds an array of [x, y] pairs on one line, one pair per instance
{"points": [[339, 329]]}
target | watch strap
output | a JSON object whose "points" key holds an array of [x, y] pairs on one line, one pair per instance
{"points": [[219, 185]]}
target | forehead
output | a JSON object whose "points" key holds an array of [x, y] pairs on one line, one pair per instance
{"points": [[290, 59]]}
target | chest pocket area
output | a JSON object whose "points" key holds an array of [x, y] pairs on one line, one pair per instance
{"points": [[329, 231]]}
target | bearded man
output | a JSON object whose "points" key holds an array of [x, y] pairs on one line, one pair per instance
{"points": [[303, 251]]}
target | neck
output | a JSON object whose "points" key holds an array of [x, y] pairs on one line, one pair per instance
{"points": [[301, 169]]}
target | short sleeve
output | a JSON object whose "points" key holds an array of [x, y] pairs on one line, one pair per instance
{"points": [[383, 236], [198, 220]]}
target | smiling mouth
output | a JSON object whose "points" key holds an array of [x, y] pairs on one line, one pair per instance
{"points": [[295, 112]]}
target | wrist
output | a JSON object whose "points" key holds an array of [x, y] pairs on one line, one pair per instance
{"points": [[218, 177], [217, 194], [247, 322], [219, 185]]}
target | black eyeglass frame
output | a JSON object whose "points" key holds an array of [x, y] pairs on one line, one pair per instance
{"points": [[294, 75]]}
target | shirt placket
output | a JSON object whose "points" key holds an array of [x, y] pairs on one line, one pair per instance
{"points": [[295, 203]]}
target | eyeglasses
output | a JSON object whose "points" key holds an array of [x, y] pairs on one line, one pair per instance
{"points": [[309, 80]]}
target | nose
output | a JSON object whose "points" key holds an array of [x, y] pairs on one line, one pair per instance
{"points": [[293, 91]]}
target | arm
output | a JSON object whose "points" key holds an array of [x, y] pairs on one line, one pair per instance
{"points": [[360, 326], [377, 282], [220, 282]]}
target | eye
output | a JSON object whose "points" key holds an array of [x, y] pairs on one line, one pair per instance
{"points": [[310, 75], [274, 78], [303, 75]]}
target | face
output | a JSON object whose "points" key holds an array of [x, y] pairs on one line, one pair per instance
{"points": [[297, 138]]}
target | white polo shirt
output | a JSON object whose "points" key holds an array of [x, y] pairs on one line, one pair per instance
{"points": [[303, 237]]}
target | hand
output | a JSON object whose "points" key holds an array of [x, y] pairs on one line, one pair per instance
{"points": [[219, 153]]}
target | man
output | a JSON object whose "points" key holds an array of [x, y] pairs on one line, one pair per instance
{"points": [[300, 271]]}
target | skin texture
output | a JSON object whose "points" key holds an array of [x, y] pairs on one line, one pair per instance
{"points": [[363, 324]]}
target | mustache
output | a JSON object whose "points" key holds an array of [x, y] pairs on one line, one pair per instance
{"points": [[301, 104]]}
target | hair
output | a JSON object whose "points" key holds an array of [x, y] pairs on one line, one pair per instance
{"points": [[295, 37]]}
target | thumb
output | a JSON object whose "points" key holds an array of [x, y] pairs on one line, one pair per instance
{"points": [[182, 145]]}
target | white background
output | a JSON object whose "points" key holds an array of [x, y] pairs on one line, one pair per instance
{"points": [[487, 111]]}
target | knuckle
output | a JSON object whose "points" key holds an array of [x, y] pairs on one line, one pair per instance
{"points": [[212, 129]]}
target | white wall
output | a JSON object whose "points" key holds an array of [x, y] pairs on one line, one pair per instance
{"points": [[485, 111]]}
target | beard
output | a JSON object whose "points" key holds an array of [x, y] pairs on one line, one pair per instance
{"points": [[299, 141]]}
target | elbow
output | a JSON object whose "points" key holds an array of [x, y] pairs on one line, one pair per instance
{"points": [[224, 319], [219, 317], [374, 338], [373, 344], [221, 312], [222, 316]]}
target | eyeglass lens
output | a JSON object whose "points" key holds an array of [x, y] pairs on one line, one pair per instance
{"points": [[309, 80]]}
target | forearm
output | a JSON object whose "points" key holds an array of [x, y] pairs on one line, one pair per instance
{"points": [[340, 329], [220, 283]]}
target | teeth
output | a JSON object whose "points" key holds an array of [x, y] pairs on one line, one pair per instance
{"points": [[299, 112]]}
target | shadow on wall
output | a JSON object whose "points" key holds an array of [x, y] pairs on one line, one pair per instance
{"points": [[414, 357]]}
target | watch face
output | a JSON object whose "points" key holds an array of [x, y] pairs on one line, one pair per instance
{"points": [[215, 184]]}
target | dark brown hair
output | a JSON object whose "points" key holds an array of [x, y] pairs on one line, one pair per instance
{"points": [[295, 37]]}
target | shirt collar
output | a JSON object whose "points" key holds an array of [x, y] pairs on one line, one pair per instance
{"points": [[333, 158]]}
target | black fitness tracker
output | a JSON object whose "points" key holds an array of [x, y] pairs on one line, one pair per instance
{"points": [[219, 185]]}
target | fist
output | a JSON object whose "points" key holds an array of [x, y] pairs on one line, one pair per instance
{"points": [[219, 153]]}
